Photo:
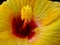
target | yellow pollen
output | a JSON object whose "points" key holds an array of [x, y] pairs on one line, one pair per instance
{"points": [[26, 12]]}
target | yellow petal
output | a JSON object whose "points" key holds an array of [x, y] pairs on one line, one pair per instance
{"points": [[5, 17], [49, 35], [7, 39], [39, 4], [16, 5], [47, 12]]}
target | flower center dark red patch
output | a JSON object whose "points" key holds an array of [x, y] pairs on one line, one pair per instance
{"points": [[23, 29]]}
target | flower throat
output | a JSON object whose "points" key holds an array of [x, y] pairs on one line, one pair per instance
{"points": [[23, 25]]}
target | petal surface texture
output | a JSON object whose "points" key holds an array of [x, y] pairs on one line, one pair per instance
{"points": [[46, 15]]}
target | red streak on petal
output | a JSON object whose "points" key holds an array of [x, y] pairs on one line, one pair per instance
{"points": [[23, 29]]}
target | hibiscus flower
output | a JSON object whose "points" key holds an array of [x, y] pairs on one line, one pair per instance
{"points": [[30, 22]]}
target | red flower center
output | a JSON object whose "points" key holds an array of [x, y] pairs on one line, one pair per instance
{"points": [[23, 28]]}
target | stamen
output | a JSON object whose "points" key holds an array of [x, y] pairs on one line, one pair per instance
{"points": [[26, 12]]}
